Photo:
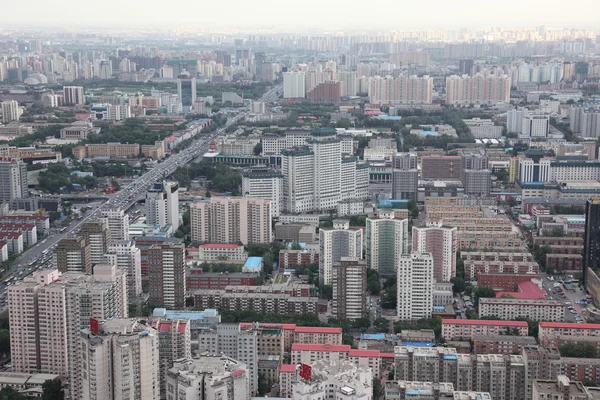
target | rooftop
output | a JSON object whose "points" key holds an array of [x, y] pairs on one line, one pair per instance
{"points": [[483, 322], [568, 325], [320, 347]]}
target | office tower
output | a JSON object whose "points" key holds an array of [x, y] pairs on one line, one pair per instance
{"points": [[465, 66], [13, 179], [174, 343], [535, 126], [121, 360], [440, 241], [259, 59], [514, 119], [166, 275], [231, 220], [349, 288], [264, 183], [405, 184], [415, 284], [400, 90], [73, 254], [9, 110], [327, 172], [294, 85], [477, 89], [74, 95], [591, 246], [97, 236], [336, 242], [349, 81], [477, 182], [297, 167], [186, 89], [162, 204], [210, 377], [118, 222], [386, 240], [128, 258]]}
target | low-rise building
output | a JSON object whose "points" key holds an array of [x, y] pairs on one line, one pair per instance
{"points": [[221, 252], [560, 388], [555, 334], [501, 344], [292, 258], [467, 329], [537, 310], [196, 278]]}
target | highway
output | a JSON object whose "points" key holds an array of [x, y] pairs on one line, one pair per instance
{"points": [[121, 199]]}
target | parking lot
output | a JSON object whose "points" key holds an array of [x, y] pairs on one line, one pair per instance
{"points": [[572, 295]]}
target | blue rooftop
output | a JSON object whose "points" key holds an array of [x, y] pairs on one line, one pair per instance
{"points": [[418, 344], [253, 262], [575, 219], [428, 133], [393, 203], [191, 315], [372, 336], [449, 357], [388, 118]]}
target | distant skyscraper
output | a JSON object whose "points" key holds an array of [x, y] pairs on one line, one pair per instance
{"points": [[465, 66], [591, 244], [415, 284], [13, 179], [9, 110], [162, 204], [74, 95], [186, 89], [386, 240]]}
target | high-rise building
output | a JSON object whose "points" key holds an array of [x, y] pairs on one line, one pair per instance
{"points": [[97, 236], [210, 377], [535, 126], [441, 167], [405, 184], [162, 204], [166, 275], [13, 179], [477, 182], [174, 343], [465, 66], [349, 288], [514, 119], [186, 89], [121, 360], [415, 284], [401, 90], [477, 89], [231, 220], [439, 241], [9, 111], [264, 183], [386, 240], [128, 258], [336, 242], [349, 81], [591, 247], [73, 254], [294, 85], [73, 96], [118, 222], [297, 167]]}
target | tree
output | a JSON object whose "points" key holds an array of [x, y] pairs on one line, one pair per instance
{"points": [[579, 350], [458, 284], [52, 389], [8, 393], [378, 390], [539, 253], [485, 291], [258, 149], [326, 292], [263, 385], [533, 326], [373, 282], [4, 342]]}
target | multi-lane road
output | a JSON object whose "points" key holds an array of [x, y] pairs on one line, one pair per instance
{"points": [[121, 199]]}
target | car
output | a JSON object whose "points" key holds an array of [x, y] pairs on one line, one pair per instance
{"points": [[557, 285], [567, 303], [573, 311]]}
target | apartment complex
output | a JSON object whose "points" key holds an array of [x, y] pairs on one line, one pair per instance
{"points": [[13, 179], [509, 309], [231, 220], [386, 240], [118, 222], [264, 183], [162, 204], [555, 334], [440, 241], [400, 90], [128, 257], [73, 254], [336, 242], [166, 275], [415, 285], [349, 283], [477, 89], [467, 329]]}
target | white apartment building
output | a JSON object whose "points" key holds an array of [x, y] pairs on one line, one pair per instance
{"points": [[128, 258], [441, 242], [483, 128], [219, 252], [386, 240], [294, 85], [336, 242], [209, 377], [349, 288], [231, 220], [264, 183], [349, 81], [74, 96], [275, 144], [585, 121], [119, 361], [514, 119], [118, 222], [477, 89], [415, 285], [535, 126], [9, 110], [162, 204], [467, 329], [400, 90], [509, 309], [568, 171]]}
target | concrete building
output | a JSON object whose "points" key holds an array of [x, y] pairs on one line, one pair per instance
{"points": [[79, 130], [555, 334], [478, 182], [514, 119], [97, 237], [294, 85], [216, 252], [73, 254], [231, 220], [128, 258], [166, 275], [460, 329], [440, 241], [386, 240], [118, 222], [535, 126], [400, 90], [477, 89], [336, 242], [162, 204], [349, 288], [9, 111], [209, 377], [13, 179], [441, 167], [73, 96], [349, 81], [405, 184], [538, 310], [186, 89], [415, 285], [264, 183], [483, 128], [121, 361], [560, 388]]}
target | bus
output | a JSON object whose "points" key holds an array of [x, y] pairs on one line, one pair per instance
{"points": [[63, 229]]}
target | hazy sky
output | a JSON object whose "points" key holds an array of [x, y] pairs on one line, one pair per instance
{"points": [[369, 14]]}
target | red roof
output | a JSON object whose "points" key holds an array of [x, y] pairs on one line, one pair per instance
{"points": [[10, 235], [269, 325], [492, 322], [364, 353], [287, 368], [316, 329], [191, 248], [38, 217], [20, 227], [182, 326], [238, 372], [164, 327], [568, 325], [388, 355], [527, 290], [219, 246], [320, 347]]}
